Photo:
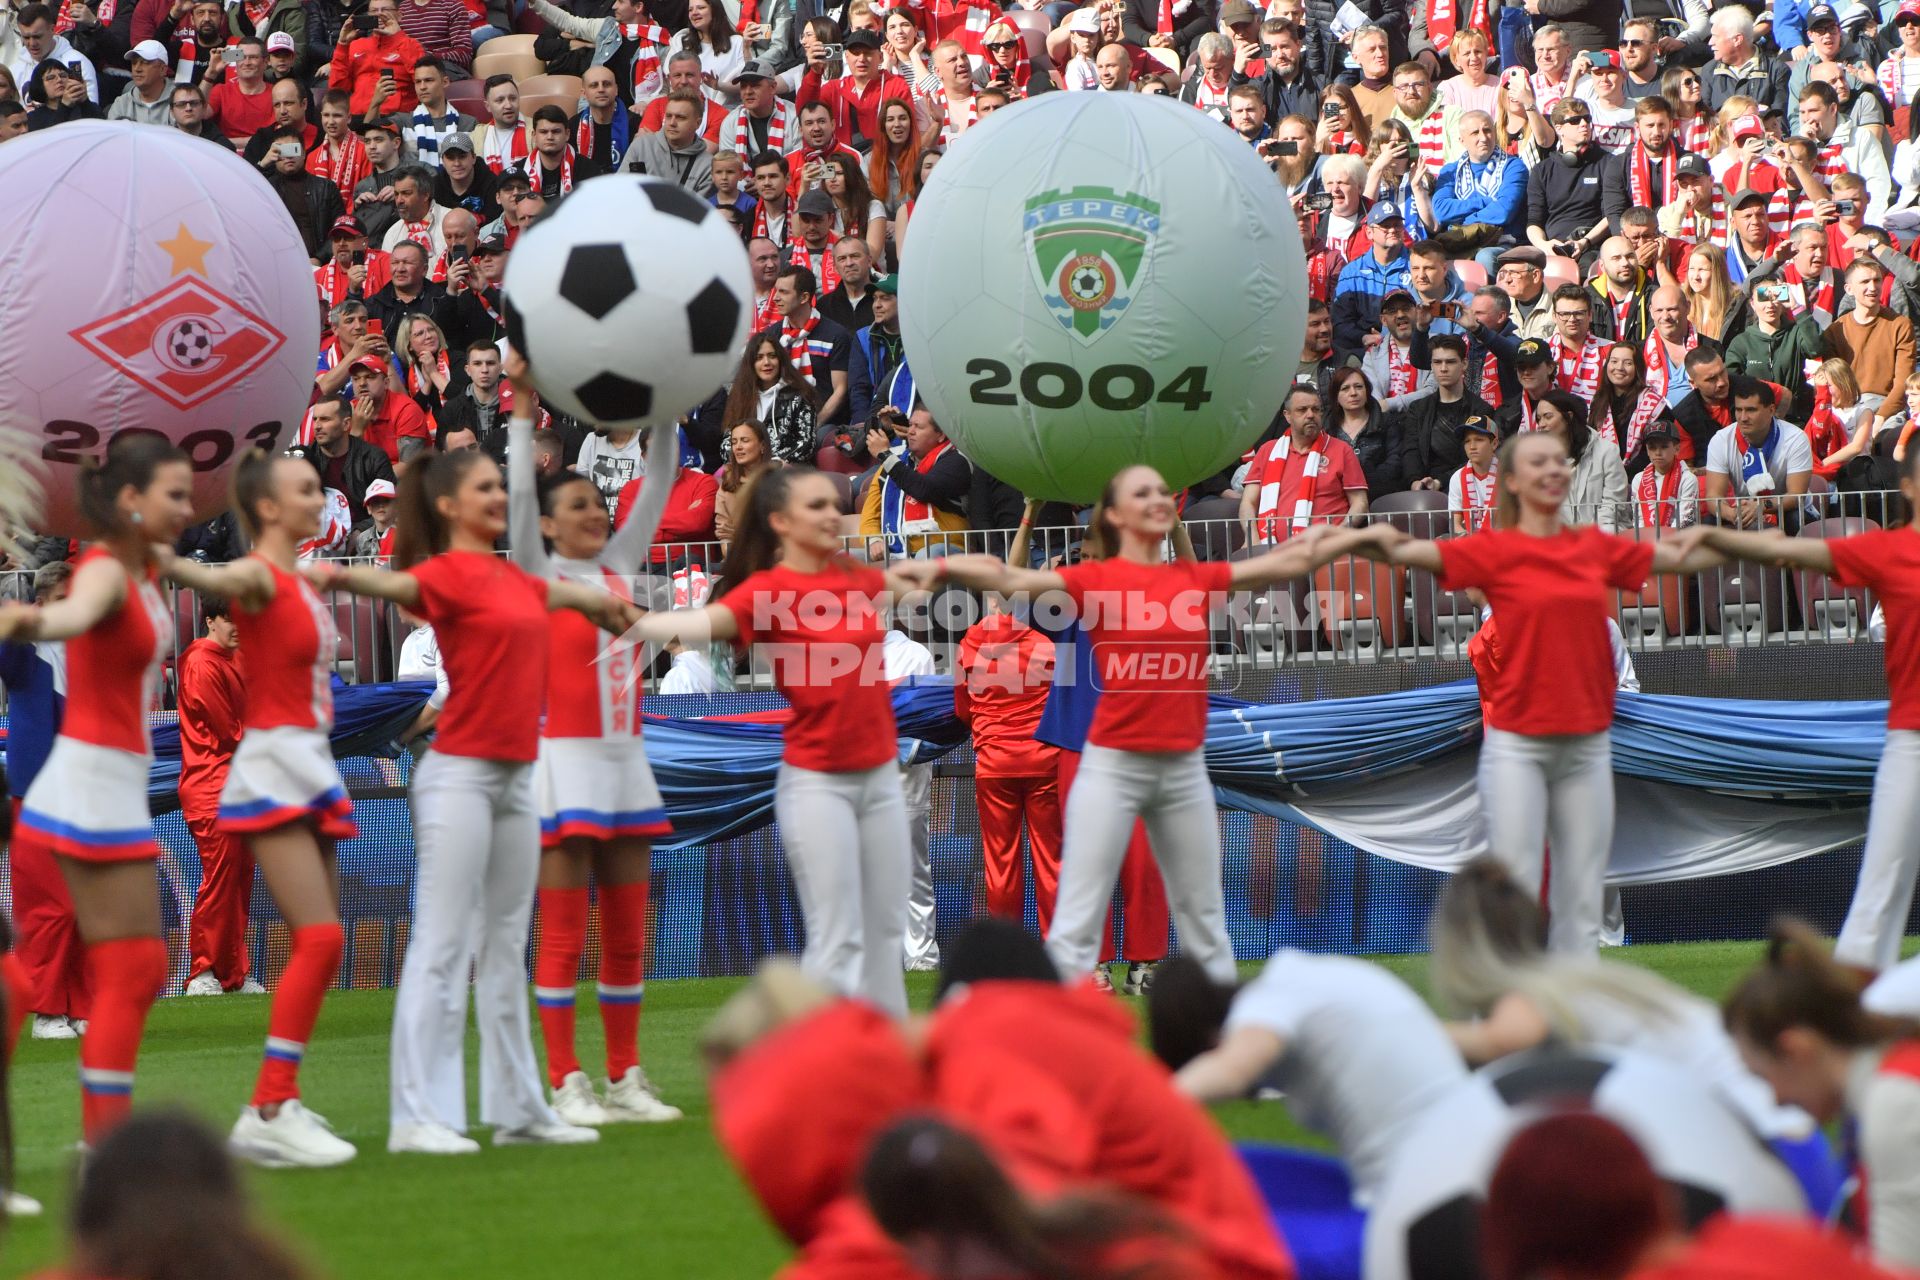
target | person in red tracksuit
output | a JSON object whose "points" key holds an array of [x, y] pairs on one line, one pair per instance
{"points": [[1004, 673], [796, 1109], [1052, 1078], [212, 706]]}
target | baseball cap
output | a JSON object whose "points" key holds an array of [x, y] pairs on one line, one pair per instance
{"points": [[815, 202], [1083, 22], [888, 283], [861, 38], [758, 69], [1748, 126], [148, 51], [1523, 255], [492, 244], [1603, 59], [1532, 351], [1660, 429], [1746, 196], [456, 141], [1909, 10], [1480, 426], [1693, 165], [1235, 12], [280, 42], [347, 226], [372, 363], [1383, 212], [1393, 297], [1821, 14], [378, 489]]}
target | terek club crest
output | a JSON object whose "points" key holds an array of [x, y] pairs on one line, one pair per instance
{"points": [[186, 343], [1089, 252]]}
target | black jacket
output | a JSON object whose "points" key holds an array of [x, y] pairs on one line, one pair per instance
{"points": [[1639, 316], [480, 200], [322, 205], [465, 321], [1501, 344], [1379, 449], [945, 487], [365, 463], [1297, 97], [1563, 195], [994, 504], [849, 316], [1430, 446], [1768, 87], [1331, 54], [460, 411], [1141, 19], [1692, 416], [386, 307]]}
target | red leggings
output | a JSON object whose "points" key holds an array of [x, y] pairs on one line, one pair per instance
{"points": [[1143, 895], [47, 938]]}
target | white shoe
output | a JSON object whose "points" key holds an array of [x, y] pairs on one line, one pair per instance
{"points": [[21, 1206], [204, 984], [295, 1138], [631, 1100], [925, 964], [251, 987], [545, 1133], [54, 1026], [79, 1026], [575, 1103], [429, 1140]]}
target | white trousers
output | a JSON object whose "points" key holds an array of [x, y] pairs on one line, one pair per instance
{"points": [[846, 840], [1884, 893], [1171, 793], [1559, 789], [916, 788], [477, 837]]}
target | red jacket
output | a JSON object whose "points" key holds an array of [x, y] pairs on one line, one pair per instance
{"points": [[1003, 675], [357, 66], [850, 105], [797, 176], [796, 1113], [1051, 1078], [1730, 1248], [213, 702], [689, 514]]}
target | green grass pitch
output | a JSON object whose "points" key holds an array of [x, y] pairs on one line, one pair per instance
{"points": [[646, 1201]]}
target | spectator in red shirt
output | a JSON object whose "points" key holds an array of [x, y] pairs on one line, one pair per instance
{"points": [[362, 62], [1305, 477], [855, 98], [242, 104], [443, 28], [688, 518], [212, 704], [390, 422]]}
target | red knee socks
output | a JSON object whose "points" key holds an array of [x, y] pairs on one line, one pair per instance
{"points": [[296, 1007], [563, 936], [623, 946], [125, 975]]}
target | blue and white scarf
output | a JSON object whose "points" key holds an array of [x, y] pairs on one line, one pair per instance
{"points": [[1486, 183], [427, 134]]}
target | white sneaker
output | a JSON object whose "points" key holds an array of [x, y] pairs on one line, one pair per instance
{"points": [[429, 1140], [295, 1138], [545, 1133], [575, 1103], [631, 1100], [251, 987], [204, 984], [21, 1206], [54, 1026], [924, 964]]}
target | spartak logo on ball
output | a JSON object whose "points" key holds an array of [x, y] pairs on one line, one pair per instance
{"points": [[187, 342], [1088, 248]]}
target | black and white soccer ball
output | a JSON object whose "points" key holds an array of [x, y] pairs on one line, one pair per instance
{"points": [[1424, 1224], [631, 301], [191, 343]]}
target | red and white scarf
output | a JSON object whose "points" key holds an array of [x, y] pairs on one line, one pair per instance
{"points": [[1475, 496], [764, 314], [901, 514], [184, 69], [421, 233], [1688, 227], [1269, 525], [417, 385], [963, 20], [1694, 134], [1659, 505], [1209, 98], [1655, 353], [826, 275], [1547, 93], [942, 110], [646, 58], [1578, 373], [347, 172], [503, 152], [63, 21], [619, 133], [1323, 268], [331, 280], [1490, 382], [1022, 68], [1443, 18], [798, 345], [1820, 299], [1401, 375], [1640, 177], [1900, 83], [537, 171], [783, 114], [760, 223], [257, 11]]}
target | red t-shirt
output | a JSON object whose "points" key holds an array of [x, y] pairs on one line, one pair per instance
{"points": [[1552, 597], [688, 519], [399, 416], [1887, 563], [490, 618], [1151, 648], [240, 115], [822, 635], [1339, 472]]}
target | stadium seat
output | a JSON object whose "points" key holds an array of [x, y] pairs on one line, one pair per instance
{"points": [[553, 89], [1748, 601], [1167, 58], [186, 621], [834, 462], [1035, 38], [361, 655], [528, 22], [1561, 271], [1214, 525], [521, 66], [1828, 609], [1419, 513], [517, 43], [1472, 274], [469, 97], [843, 482], [1360, 606], [1444, 619], [1029, 20], [1657, 612]]}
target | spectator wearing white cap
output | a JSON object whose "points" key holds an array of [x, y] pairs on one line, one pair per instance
{"points": [[283, 58], [365, 540], [150, 99]]}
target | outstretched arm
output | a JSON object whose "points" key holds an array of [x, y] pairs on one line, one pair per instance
{"points": [[1415, 553], [402, 588], [246, 581], [602, 608], [1301, 555], [1688, 551], [1767, 548], [524, 540], [691, 627], [981, 572], [1232, 1068], [98, 589]]}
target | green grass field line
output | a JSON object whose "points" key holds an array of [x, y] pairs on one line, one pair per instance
{"points": [[646, 1201]]}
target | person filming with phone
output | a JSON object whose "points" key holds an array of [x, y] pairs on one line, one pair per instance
{"points": [[374, 61], [313, 202], [239, 99]]}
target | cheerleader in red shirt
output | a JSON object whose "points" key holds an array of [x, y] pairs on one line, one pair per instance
{"points": [[1887, 562], [283, 794], [600, 808], [476, 831], [88, 806], [1147, 620], [819, 619], [1546, 762]]}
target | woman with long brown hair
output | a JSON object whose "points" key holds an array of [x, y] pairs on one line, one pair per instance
{"points": [[893, 167], [749, 454], [1624, 404], [857, 213], [476, 828], [1344, 132], [838, 802], [767, 389]]}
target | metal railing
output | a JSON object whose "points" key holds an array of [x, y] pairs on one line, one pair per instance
{"points": [[1349, 611]]}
